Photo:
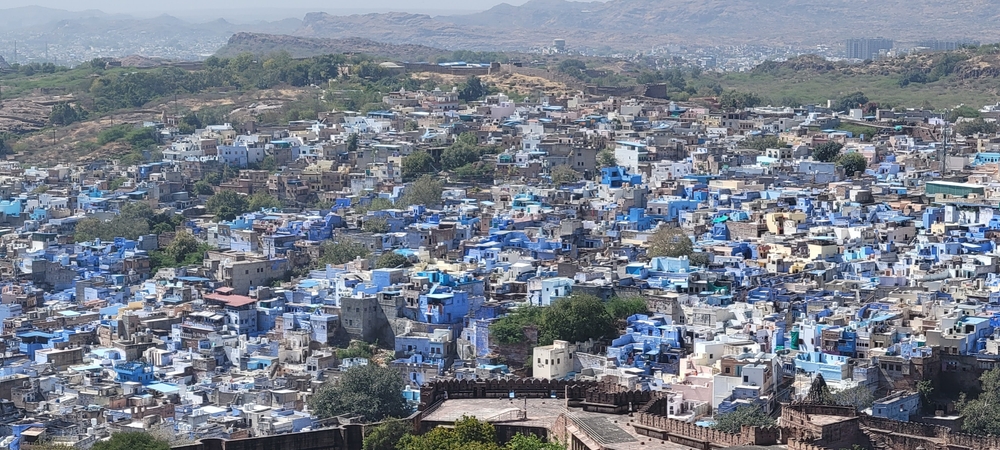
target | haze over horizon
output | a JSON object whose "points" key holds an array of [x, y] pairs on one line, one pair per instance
{"points": [[262, 9]]}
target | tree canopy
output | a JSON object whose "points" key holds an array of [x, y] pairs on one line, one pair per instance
{"points": [[391, 260], [386, 435], [563, 174], [761, 143], [733, 422], [976, 126], [426, 190], [575, 318], [827, 151], [669, 241], [852, 163], [132, 441], [372, 392], [851, 101], [226, 205], [473, 89], [982, 414], [344, 251], [459, 154], [606, 158], [739, 100], [468, 434], [417, 164]]}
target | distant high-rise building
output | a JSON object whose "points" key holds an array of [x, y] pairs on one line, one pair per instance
{"points": [[3, 65], [559, 44], [867, 48], [937, 45]]}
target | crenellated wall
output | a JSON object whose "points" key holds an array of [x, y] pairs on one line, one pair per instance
{"points": [[802, 445], [432, 393], [910, 435]]}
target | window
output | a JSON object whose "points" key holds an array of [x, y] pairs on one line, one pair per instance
{"points": [[558, 360], [539, 360]]}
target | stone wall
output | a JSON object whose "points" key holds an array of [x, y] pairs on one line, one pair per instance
{"points": [[614, 399], [348, 437], [447, 70], [910, 435], [661, 427], [431, 393], [802, 445]]}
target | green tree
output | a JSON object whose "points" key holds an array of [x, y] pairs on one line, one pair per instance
{"points": [[827, 151], [416, 164], [574, 68], [65, 114], [606, 158], [926, 390], [202, 187], [386, 435], [357, 349], [189, 123], [391, 260], [976, 126], [226, 205], [744, 415], [473, 89], [269, 164], [260, 200], [91, 228], [137, 211], [184, 246], [563, 174], [576, 318], [131, 441], [624, 307], [738, 100], [963, 111], [669, 241], [353, 142], [982, 414], [761, 143], [477, 172], [375, 225], [852, 163], [851, 101], [372, 392], [469, 433], [426, 190], [376, 204], [458, 155], [530, 442], [509, 329], [860, 397], [342, 252]]}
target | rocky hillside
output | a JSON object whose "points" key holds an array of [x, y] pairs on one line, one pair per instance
{"points": [[964, 64], [642, 23], [300, 47]]}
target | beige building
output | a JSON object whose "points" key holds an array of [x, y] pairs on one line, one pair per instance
{"points": [[553, 361]]}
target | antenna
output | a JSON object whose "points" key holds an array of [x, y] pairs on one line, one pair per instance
{"points": [[15, 52]]}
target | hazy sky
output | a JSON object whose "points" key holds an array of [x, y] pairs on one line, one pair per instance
{"points": [[282, 8]]}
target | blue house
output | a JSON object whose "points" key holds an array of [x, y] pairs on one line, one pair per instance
{"points": [[134, 372]]}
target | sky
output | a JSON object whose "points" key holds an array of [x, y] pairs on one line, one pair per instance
{"points": [[287, 8]]}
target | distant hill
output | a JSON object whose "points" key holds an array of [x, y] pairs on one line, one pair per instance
{"points": [[300, 47], [638, 24], [30, 16]]}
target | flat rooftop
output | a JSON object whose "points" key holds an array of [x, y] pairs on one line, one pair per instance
{"points": [[613, 432]]}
